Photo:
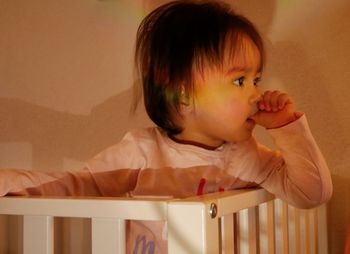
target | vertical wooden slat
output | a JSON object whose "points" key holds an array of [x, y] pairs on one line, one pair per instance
{"points": [[297, 230], [307, 231], [253, 230], [285, 233], [227, 234], [322, 229], [243, 238], [315, 222], [38, 235], [108, 236], [271, 232]]}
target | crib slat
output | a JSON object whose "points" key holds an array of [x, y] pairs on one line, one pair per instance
{"points": [[38, 234], [108, 236], [253, 230], [227, 234], [243, 232], [315, 228], [322, 230], [271, 232], [307, 231], [285, 228], [297, 230]]}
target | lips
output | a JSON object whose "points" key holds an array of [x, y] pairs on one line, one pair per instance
{"points": [[251, 123]]}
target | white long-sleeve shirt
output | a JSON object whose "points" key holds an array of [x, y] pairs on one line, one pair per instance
{"points": [[297, 172], [147, 162]]}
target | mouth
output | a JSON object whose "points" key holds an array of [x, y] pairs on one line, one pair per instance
{"points": [[250, 123], [250, 120], [251, 115]]}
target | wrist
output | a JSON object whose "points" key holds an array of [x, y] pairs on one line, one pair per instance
{"points": [[293, 117]]}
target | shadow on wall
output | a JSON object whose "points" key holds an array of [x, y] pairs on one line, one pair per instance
{"points": [[288, 62], [302, 74], [56, 135]]}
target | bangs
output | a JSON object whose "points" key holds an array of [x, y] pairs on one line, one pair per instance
{"points": [[243, 54]]}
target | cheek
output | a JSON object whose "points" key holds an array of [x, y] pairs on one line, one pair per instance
{"points": [[221, 102], [238, 110]]}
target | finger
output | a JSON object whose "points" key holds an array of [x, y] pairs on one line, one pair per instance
{"points": [[283, 99], [260, 103], [266, 100], [274, 100], [298, 114]]}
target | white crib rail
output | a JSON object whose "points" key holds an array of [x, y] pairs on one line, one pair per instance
{"points": [[242, 221]]}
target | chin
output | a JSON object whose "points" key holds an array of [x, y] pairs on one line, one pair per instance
{"points": [[244, 137]]}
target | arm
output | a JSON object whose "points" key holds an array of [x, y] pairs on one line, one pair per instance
{"points": [[100, 177], [297, 173], [83, 183]]}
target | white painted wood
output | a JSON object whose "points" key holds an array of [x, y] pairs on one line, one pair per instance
{"points": [[315, 229], [227, 234], [123, 208], [243, 232], [297, 230], [38, 235], [191, 229], [253, 229], [237, 200], [108, 236], [271, 232], [285, 231], [307, 232], [322, 230]]}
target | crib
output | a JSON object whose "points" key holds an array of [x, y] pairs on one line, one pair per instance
{"points": [[239, 221]]}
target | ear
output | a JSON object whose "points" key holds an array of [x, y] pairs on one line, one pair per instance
{"points": [[186, 102]]}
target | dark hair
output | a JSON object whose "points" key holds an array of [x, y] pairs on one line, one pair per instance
{"points": [[176, 38]]}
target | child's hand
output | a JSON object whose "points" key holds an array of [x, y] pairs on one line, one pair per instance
{"points": [[275, 109]]}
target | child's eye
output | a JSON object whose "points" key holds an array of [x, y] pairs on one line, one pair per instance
{"points": [[257, 81], [239, 82]]}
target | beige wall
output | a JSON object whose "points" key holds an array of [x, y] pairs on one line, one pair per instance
{"points": [[66, 74]]}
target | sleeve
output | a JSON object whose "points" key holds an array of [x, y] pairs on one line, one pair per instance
{"points": [[83, 183], [184, 182], [297, 172]]}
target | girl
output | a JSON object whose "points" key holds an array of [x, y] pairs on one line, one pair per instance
{"points": [[199, 64]]}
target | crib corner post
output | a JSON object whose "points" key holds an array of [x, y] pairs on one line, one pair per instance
{"points": [[193, 227]]}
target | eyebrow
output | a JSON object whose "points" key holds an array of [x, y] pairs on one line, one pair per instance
{"points": [[242, 69]]}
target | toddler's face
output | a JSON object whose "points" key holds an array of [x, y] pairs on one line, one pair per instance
{"points": [[224, 100]]}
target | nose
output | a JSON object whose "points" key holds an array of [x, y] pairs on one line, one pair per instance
{"points": [[255, 96]]}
